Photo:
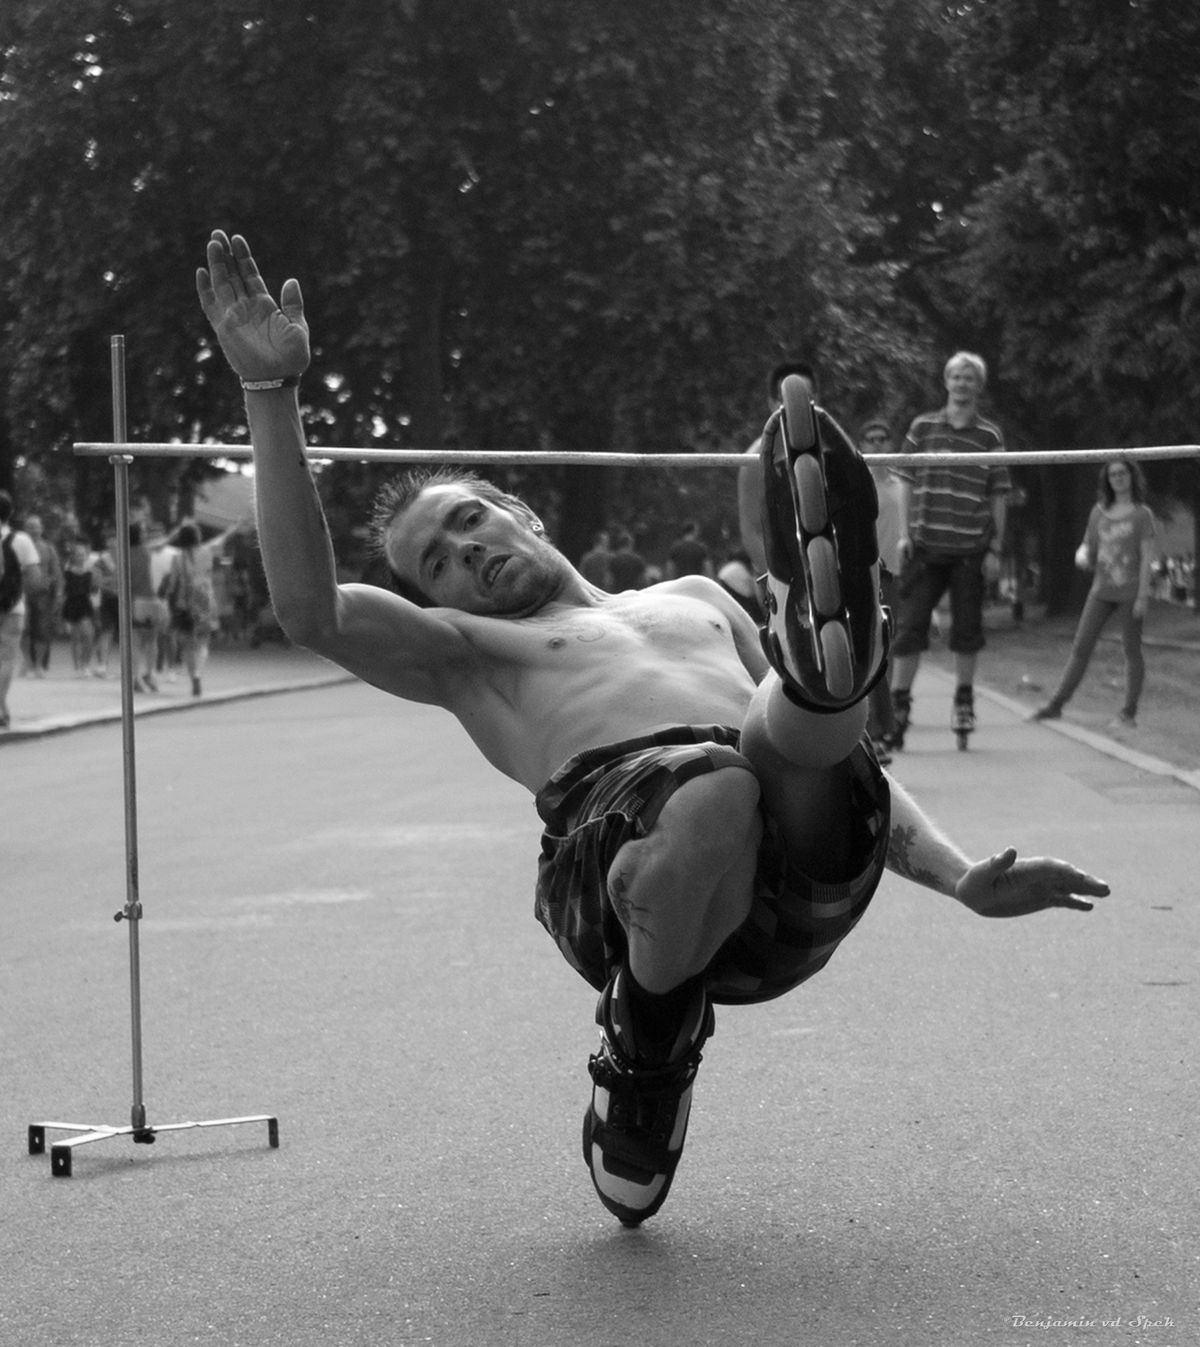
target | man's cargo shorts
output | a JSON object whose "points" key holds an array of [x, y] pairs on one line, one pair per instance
{"points": [[604, 797]]}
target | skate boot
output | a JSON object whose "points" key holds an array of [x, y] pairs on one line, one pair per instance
{"points": [[962, 717], [633, 1132], [826, 634], [901, 714]]}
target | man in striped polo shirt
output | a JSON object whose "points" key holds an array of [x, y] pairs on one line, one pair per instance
{"points": [[953, 519]]}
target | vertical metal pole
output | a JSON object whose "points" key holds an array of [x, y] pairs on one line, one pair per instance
{"points": [[132, 912]]}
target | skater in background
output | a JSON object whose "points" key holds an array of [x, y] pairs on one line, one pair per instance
{"points": [[953, 519]]}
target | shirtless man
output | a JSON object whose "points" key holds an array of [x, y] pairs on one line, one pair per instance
{"points": [[712, 830]]}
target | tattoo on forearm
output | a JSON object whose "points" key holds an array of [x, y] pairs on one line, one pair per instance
{"points": [[901, 845]]}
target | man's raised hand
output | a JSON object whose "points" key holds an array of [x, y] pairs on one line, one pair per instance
{"points": [[261, 339]]}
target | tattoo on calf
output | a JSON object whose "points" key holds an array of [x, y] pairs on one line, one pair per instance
{"points": [[900, 858], [629, 913]]}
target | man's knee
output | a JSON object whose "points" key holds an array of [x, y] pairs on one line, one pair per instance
{"points": [[966, 630], [681, 891], [779, 736], [711, 815], [709, 825]]}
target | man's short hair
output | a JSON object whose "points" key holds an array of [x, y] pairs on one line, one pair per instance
{"points": [[394, 497], [781, 371], [976, 362]]}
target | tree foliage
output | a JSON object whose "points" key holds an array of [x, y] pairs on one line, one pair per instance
{"points": [[530, 224]]}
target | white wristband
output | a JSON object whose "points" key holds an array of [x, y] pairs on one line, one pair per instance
{"points": [[263, 385]]}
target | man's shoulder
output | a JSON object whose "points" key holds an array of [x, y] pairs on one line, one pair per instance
{"points": [[683, 584], [694, 586]]}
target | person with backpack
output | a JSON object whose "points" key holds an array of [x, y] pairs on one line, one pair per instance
{"points": [[19, 567], [42, 602]]}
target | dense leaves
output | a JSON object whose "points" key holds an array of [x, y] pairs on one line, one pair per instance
{"points": [[531, 224]]}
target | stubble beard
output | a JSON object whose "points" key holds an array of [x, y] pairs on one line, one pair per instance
{"points": [[538, 578]]}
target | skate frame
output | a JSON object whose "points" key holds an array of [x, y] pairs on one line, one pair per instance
{"points": [[139, 1129]]}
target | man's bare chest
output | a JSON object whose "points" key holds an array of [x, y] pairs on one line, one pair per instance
{"points": [[666, 624], [647, 629]]}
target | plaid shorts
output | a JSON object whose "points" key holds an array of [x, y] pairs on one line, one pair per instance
{"points": [[605, 797]]}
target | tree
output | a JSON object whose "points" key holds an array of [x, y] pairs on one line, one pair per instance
{"points": [[114, 168], [1080, 257], [526, 224]]}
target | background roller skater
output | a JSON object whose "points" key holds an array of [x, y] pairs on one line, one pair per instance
{"points": [[953, 518]]}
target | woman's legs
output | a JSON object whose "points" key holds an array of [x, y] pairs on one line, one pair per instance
{"points": [[1135, 663], [195, 658], [82, 641], [1096, 613], [144, 645]]}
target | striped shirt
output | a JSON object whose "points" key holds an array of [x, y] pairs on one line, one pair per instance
{"points": [[951, 507]]}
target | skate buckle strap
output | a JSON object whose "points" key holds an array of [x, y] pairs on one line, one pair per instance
{"points": [[643, 1111]]}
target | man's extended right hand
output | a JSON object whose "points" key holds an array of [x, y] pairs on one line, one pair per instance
{"points": [[261, 339]]}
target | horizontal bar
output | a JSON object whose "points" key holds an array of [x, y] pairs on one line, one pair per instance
{"points": [[533, 457], [581, 458]]}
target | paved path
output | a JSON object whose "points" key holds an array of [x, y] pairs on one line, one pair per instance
{"points": [[962, 1132], [65, 701]]}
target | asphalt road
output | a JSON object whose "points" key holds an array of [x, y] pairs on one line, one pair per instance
{"points": [[962, 1132]]}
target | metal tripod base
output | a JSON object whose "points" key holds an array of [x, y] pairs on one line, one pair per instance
{"points": [[131, 913], [60, 1152]]}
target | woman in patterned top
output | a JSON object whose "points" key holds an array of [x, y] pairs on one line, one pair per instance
{"points": [[1119, 548]]}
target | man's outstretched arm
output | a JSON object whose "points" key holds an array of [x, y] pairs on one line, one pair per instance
{"points": [[373, 633], [1000, 886]]}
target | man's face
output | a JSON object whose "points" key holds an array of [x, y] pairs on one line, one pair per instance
{"points": [[963, 384], [468, 553]]}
